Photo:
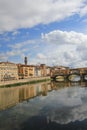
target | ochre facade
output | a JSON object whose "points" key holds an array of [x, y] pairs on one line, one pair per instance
{"points": [[25, 71]]}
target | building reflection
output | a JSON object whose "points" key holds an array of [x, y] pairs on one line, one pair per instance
{"points": [[13, 95], [59, 85], [8, 97], [26, 92]]}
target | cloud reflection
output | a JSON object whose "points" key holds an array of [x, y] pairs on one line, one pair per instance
{"points": [[66, 105]]}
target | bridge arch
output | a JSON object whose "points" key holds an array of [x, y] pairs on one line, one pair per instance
{"points": [[60, 78], [74, 77]]}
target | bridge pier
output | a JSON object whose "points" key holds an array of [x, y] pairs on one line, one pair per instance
{"points": [[82, 77]]}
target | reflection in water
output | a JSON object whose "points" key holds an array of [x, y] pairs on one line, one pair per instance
{"points": [[44, 106], [43, 123], [11, 96], [8, 97]]}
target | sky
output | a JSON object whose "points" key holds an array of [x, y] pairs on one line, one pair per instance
{"points": [[53, 32]]}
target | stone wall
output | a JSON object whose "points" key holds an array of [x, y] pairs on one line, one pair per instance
{"points": [[23, 80]]}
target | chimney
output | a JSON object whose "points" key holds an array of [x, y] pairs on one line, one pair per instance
{"points": [[25, 60]]}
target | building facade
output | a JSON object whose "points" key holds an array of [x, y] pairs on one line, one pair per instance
{"points": [[43, 70], [59, 70], [26, 71], [37, 71], [48, 71], [8, 71]]}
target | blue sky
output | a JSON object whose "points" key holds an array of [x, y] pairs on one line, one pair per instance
{"points": [[53, 32]]}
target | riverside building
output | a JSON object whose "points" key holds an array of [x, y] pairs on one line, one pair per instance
{"points": [[25, 71], [8, 71]]}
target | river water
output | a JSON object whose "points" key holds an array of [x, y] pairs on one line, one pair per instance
{"points": [[44, 106]]}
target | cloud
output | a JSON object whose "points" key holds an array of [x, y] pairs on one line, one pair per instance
{"points": [[5, 37], [83, 51], [62, 37], [13, 55], [83, 12], [15, 33], [22, 45], [41, 56], [17, 51], [64, 48], [15, 14], [69, 105]]}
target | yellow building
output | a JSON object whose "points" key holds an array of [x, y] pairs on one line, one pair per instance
{"points": [[8, 71], [26, 71], [31, 70]]}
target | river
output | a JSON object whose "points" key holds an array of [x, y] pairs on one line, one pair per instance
{"points": [[44, 106]]}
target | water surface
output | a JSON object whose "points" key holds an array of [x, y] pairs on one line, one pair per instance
{"points": [[44, 106]]}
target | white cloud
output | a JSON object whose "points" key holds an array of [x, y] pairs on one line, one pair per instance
{"points": [[18, 51], [41, 56], [15, 33], [62, 37], [21, 45], [64, 48], [15, 55], [4, 37], [16, 14], [68, 48], [83, 11], [63, 106], [69, 105]]}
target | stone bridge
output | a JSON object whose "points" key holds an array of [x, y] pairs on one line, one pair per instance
{"points": [[61, 74], [70, 77]]}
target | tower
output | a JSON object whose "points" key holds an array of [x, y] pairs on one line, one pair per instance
{"points": [[25, 60]]}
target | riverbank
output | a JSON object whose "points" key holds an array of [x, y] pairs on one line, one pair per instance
{"points": [[23, 81]]}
